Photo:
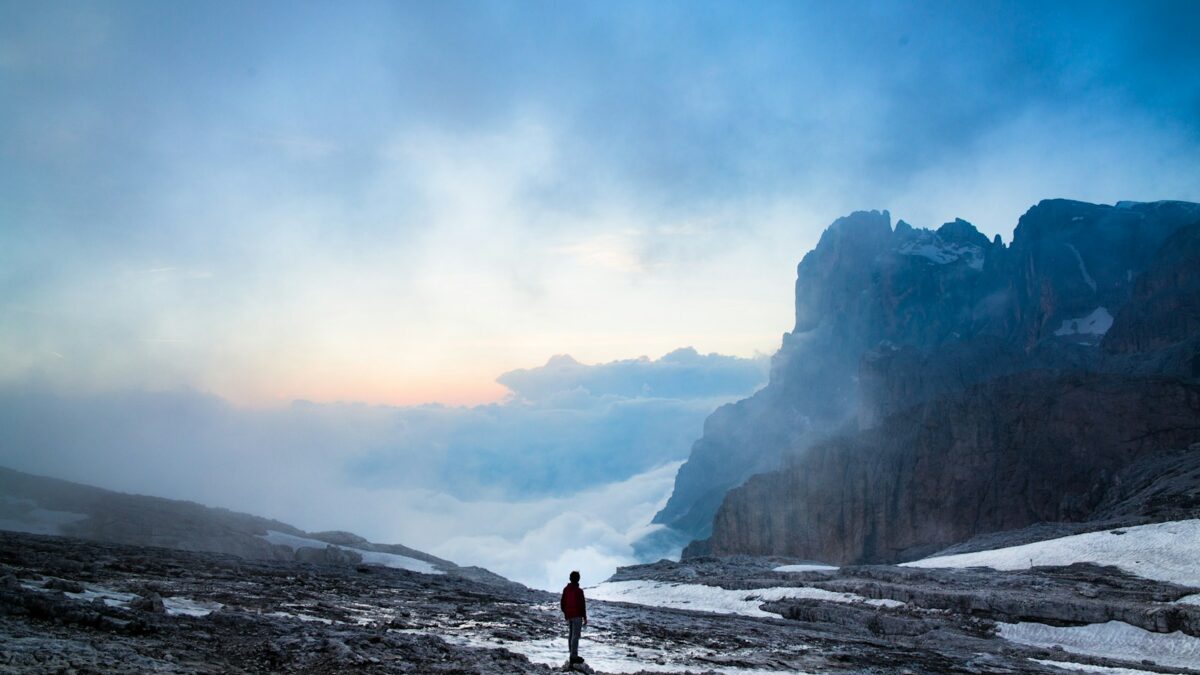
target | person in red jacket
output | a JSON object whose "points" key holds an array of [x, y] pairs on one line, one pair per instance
{"points": [[574, 607]]}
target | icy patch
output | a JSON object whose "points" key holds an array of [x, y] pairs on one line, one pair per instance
{"points": [[110, 598], [1097, 323], [180, 606], [1088, 668], [1161, 551], [369, 557], [301, 616], [607, 656], [24, 515], [1189, 600], [805, 568], [701, 598], [1087, 278], [932, 248], [1113, 640]]}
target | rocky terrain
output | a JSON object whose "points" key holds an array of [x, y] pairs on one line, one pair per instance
{"points": [[938, 386], [70, 605]]}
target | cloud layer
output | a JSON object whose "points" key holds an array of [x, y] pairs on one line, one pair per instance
{"points": [[561, 474]]}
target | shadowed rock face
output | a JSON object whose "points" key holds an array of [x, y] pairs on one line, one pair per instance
{"points": [[1166, 300], [1028, 448], [891, 317]]}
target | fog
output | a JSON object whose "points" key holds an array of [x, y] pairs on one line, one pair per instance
{"points": [[567, 471]]}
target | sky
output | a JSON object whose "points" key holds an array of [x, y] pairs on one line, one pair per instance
{"points": [[396, 202], [381, 206]]}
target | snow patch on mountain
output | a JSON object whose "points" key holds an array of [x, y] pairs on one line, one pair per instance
{"points": [[701, 598], [931, 247], [1160, 551], [369, 557], [1087, 278], [1114, 640], [25, 515], [1096, 324]]}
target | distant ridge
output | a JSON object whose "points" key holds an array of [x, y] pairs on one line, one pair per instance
{"points": [[42, 505]]}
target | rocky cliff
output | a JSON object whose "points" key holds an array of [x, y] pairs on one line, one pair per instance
{"points": [[1022, 449], [891, 318]]}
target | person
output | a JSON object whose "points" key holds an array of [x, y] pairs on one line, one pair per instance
{"points": [[574, 608]]}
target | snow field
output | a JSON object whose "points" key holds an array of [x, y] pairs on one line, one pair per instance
{"points": [[1114, 640], [1087, 668], [805, 568], [703, 598], [606, 656], [1160, 551], [369, 557]]}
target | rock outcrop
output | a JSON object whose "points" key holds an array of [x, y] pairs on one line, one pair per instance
{"points": [[891, 317]]}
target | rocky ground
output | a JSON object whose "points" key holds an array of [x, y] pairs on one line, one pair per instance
{"points": [[68, 605]]}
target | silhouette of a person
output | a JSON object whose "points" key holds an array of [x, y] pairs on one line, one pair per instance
{"points": [[574, 608]]}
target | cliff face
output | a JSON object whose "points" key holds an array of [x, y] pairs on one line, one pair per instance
{"points": [[888, 318], [1027, 448]]}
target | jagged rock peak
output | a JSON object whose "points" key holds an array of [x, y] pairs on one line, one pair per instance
{"points": [[961, 232]]}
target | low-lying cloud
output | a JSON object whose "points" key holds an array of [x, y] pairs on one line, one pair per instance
{"points": [[566, 472]]}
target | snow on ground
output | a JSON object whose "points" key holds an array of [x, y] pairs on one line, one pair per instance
{"points": [[1096, 323], [300, 616], [1114, 640], [24, 515], [181, 606], [1088, 668], [805, 568], [1189, 600], [1161, 551], [370, 557], [703, 598], [606, 655]]}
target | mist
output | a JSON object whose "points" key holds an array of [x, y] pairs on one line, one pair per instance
{"points": [[567, 471]]}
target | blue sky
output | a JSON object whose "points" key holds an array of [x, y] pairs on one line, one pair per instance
{"points": [[395, 202]]}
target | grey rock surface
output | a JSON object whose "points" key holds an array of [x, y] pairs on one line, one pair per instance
{"points": [[288, 616]]}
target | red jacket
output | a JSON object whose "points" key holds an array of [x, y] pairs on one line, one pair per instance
{"points": [[572, 603]]}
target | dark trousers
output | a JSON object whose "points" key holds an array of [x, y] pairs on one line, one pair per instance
{"points": [[574, 628]]}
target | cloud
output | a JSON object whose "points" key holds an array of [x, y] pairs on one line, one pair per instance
{"points": [[593, 531], [570, 469], [681, 374]]}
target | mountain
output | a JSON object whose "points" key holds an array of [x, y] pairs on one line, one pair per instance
{"points": [[49, 506], [907, 384]]}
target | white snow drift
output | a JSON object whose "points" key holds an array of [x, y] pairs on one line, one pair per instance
{"points": [[1114, 640], [1161, 551], [703, 598], [370, 557]]}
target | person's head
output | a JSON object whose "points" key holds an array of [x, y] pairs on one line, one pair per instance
{"points": [[574, 577]]}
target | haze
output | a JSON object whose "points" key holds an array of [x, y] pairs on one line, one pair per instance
{"points": [[211, 211]]}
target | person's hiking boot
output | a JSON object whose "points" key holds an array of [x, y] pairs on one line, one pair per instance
{"points": [[576, 659]]}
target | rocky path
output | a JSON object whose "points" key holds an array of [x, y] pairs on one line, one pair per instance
{"points": [[68, 605]]}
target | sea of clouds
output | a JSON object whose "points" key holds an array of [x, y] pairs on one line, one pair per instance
{"points": [[565, 473]]}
